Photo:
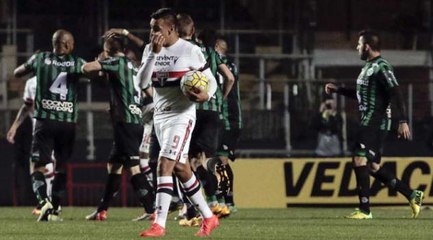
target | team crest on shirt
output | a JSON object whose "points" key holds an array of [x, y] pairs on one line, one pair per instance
{"points": [[47, 61], [370, 72], [162, 77]]}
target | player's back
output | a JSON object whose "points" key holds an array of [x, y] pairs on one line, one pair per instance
{"points": [[125, 95], [57, 80]]}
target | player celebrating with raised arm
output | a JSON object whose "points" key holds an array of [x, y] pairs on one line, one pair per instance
{"points": [[125, 96], [376, 88], [57, 75], [165, 60]]}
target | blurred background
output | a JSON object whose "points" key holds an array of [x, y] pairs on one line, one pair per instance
{"points": [[285, 50]]}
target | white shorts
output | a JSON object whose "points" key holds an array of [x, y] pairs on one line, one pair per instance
{"points": [[174, 136], [145, 142]]}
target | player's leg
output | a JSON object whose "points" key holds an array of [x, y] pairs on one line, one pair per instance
{"points": [[42, 146], [64, 140], [362, 173], [192, 188], [415, 197], [112, 187], [174, 135]]}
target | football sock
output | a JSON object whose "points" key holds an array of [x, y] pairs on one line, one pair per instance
{"points": [[112, 187], [164, 194], [392, 182], [363, 186], [223, 181], [49, 178], [192, 191], [144, 192], [59, 189], [229, 195], [39, 186]]}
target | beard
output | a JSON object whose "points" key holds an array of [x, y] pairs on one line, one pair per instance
{"points": [[364, 54]]}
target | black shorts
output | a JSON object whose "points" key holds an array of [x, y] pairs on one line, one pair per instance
{"points": [[127, 140], [369, 143], [229, 143], [205, 137], [52, 136]]}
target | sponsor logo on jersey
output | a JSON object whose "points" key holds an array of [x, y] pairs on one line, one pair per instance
{"points": [[54, 62], [362, 108], [166, 60], [57, 105], [134, 109]]}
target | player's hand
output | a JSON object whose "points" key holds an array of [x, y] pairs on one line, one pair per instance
{"points": [[157, 41], [11, 135], [198, 95], [113, 31], [330, 88], [403, 130]]}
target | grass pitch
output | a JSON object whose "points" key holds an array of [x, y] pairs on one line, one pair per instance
{"points": [[293, 223]]}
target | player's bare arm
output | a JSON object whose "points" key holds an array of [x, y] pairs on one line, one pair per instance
{"points": [[330, 88], [21, 71], [91, 67], [229, 79], [19, 119], [122, 31]]}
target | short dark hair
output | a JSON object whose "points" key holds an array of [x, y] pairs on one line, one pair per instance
{"points": [[167, 14], [185, 25], [371, 38], [116, 43]]}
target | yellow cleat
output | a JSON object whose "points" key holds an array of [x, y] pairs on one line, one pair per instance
{"points": [[416, 202], [225, 212], [193, 222], [358, 214], [216, 209]]}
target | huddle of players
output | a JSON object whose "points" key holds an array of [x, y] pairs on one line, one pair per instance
{"points": [[58, 73]]}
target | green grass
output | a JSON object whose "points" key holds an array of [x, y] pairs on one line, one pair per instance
{"points": [[292, 223]]}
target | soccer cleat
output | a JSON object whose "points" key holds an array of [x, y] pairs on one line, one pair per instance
{"points": [[358, 214], [233, 209], [97, 216], [225, 212], [46, 210], [145, 216], [216, 209], [416, 203], [207, 226], [193, 222], [155, 231]]}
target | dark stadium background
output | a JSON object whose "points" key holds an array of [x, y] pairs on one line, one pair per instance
{"points": [[278, 46]]}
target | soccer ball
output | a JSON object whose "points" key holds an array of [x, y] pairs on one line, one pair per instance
{"points": [[193, 79]]}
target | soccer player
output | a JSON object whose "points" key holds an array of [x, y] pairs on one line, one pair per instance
{"points": [[57, 75], [125, 96], [232, 126], [165, 60], [27, 110], [205, 137], [376, 88]]}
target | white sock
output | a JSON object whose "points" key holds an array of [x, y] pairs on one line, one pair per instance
{"points": [[192, 191], [164, 193]]}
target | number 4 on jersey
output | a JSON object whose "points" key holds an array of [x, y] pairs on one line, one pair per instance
{"points": [[59, 86]]}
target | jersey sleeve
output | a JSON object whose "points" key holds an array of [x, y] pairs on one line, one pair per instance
{"points": [[198, 60], [30, 64], [110, 65], [388, 77]]}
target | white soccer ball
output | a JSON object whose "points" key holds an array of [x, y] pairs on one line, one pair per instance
{"points": [[193, 79]]}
